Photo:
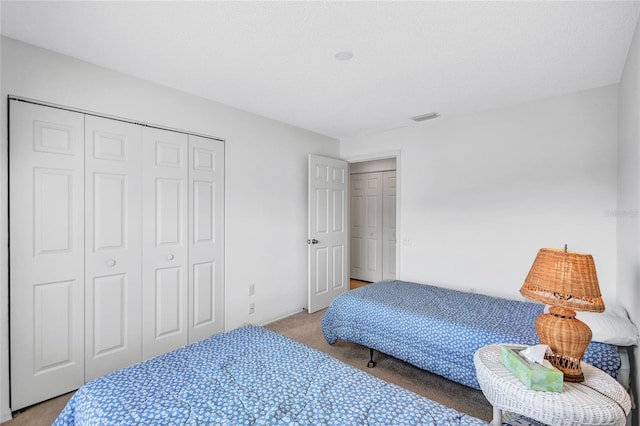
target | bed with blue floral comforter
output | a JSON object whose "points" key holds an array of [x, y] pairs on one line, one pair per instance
{"points": [[440, 329], [250, 376]]}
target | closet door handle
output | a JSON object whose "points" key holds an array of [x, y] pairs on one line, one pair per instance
{"points": [[170, 257], [111, 263]]}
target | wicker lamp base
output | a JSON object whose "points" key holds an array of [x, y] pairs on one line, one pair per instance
{"points": [[568, 338]]}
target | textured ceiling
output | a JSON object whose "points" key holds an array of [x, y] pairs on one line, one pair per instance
{"points": [[276, 59]]}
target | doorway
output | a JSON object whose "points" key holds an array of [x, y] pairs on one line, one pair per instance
{"points": [[373, 193]]}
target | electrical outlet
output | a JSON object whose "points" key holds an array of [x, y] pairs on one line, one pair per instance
{"points": [[251, 289], [252, 308]]}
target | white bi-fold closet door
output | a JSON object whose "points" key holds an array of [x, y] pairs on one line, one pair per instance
{"points": [[116, 246], [373, 226], [112, 244]]}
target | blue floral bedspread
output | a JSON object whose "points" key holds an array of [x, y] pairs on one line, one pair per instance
{"points": [[440, 329], [250, 376]]}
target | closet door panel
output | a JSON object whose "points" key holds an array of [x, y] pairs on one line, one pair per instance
{"points": [[169, 209], [206, 237], [373, 226], [366, 226], [389, 225], [357, 225], [204, 295], [113, 247], [169, 302], [109, 314], [164, 241], [46, 210]]}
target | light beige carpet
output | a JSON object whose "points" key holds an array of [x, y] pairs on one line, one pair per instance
{"points": [[306, 329], [42, 414]]}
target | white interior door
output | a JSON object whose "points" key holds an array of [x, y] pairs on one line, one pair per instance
{"points": [[164, 241], [113, 252], [389, 241], [366, 226], [206, 237], [46, 199], [328, 247]]}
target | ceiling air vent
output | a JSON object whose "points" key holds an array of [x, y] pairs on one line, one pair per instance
{"points": [[425, 117]]}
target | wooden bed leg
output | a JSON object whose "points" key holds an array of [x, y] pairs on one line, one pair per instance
{"points": [[371, 364]]}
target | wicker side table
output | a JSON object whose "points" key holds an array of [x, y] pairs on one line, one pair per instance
{"points": [[599, 400]]}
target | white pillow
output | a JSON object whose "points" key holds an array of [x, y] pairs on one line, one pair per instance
{"points": [[612, 326]]}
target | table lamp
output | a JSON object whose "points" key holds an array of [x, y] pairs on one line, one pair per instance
{"points": [[567, 281]]}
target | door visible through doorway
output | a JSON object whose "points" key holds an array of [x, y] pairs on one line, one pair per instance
{"points": [[373, 220]]}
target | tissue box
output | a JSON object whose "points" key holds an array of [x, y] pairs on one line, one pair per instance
{"points": [[534, 376]]}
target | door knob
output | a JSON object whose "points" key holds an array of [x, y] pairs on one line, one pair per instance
{"points": [[170, 257], [111, 263], [313, 241]]}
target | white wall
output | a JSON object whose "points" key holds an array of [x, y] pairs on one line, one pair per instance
{"points": [[266, 175], [628, 212], [480, 194]]}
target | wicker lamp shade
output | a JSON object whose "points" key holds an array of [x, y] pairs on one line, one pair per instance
{"points": [[567, 281], [564, 278]]}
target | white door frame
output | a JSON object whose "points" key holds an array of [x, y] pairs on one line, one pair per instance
{"points": [[382, 156]]}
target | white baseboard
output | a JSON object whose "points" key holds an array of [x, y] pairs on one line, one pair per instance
{"points": [[5, 416], [282, 316]]}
